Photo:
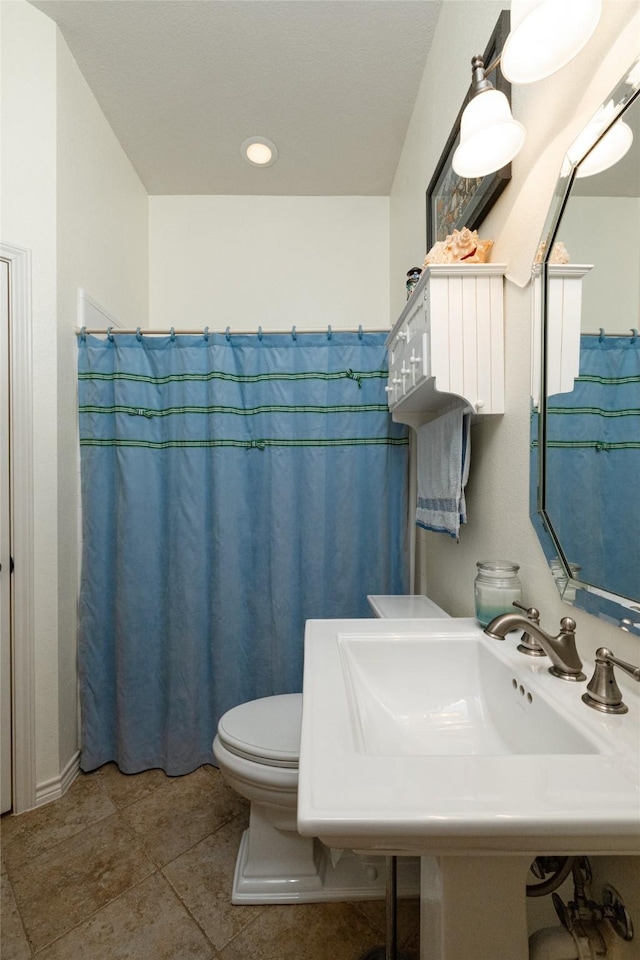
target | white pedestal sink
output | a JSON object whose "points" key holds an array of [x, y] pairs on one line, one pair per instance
{"points": [[425, 737]]}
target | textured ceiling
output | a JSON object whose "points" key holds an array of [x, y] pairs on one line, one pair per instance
{"points": [[184, 82]]}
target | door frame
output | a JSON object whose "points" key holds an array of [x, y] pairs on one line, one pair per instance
{"points": [[22, 512]]}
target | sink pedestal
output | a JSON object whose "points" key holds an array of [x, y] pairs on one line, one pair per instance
{"points": [[474, 907]]}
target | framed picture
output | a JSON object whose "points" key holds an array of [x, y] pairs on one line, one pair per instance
{"points": [[455, 202]]}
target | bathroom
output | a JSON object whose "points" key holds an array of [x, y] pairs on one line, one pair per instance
{"points": [[71, 196]]}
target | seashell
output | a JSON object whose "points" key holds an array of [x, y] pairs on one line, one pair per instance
{"points": [[559, 253], [436, 254], [461, 246]]}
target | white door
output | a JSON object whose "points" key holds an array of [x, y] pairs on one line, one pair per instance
{"points": [[5, 549]]}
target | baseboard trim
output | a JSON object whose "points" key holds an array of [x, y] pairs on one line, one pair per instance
{"points": [[56, 787]]}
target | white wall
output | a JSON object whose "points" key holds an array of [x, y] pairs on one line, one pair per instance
{"points": [[28, 219], [102, 215], [604, 231], [70, 195], [553, 111], [242, 262]]}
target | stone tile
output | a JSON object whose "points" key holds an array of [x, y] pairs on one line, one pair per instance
{"points": [[32, 833], [146, 922], [407, 917], [68, 883], [315, 931], [202, 878], [411, 949], [171, 820], [124, 788], [13, 942]]}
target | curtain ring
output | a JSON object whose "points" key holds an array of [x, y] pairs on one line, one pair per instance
{"points": [[227, 333], [83, 333], [109, 334], [138, 334], [294, 335], [329, 332], [635, 334], [360, 332], [172, 334], [602, 334], [259, 333], [205, 333]]}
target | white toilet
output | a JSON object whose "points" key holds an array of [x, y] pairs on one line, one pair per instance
{"points": [[257, 749]]}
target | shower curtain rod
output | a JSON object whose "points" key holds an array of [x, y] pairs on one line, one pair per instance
{"points": [[630, 332], [293, 332]]}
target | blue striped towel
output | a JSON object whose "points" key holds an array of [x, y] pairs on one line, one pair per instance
{"points": [[444, 453]]}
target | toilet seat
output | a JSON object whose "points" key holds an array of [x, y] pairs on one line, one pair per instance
{"points": [[265, 731]]}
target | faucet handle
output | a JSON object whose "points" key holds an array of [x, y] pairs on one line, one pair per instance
{"points": [[528, 644], [603, 693], [532, 612]]}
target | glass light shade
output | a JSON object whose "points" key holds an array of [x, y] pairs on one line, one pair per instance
{"points": [[608, 151], [546, 35], [259, 151], [634, 77], [489, 136]]}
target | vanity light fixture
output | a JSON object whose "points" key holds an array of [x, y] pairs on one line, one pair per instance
{"points": [[545, 35], [489, 136], [259, 151]]}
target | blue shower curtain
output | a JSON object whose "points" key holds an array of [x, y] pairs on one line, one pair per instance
{"points": [[232, 488], [593, 464]]}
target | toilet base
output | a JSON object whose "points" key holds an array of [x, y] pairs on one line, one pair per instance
{"points": [[352, 878]]}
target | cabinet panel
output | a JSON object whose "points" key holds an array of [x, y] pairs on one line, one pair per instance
{"points": [[449, 341]]}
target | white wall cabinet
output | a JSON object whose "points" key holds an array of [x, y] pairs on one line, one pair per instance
{"points": [[564, 325], [448, 342]]}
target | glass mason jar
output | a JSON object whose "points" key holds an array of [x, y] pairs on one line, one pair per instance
{"points": [[496, 587], [567, 591]]}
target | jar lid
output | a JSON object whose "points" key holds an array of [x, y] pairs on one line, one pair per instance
{"points": [[500, 566]]}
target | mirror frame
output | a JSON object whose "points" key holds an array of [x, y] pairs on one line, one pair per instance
{"points": [[620, 611]]}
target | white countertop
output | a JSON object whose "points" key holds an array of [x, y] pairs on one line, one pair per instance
{"points": [[405, 606]]}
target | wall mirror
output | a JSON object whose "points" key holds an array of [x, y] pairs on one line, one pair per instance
{"points": [[585, 450]]}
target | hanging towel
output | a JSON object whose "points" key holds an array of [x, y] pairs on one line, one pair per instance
{"points": [[444, 451]]}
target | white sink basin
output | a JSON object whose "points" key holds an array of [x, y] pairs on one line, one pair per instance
{"points": [[447, 697], [426, 736]]}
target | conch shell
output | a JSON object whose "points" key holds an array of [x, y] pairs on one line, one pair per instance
{"points": [[461, 246], [559, 253]]}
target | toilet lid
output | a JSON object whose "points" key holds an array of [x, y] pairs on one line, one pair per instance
{"points": [[266, 730]]}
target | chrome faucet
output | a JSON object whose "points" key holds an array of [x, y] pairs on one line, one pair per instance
{"points": [[561, 650]]}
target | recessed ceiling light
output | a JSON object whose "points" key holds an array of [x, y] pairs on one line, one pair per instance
{"points": [[259, 151]]}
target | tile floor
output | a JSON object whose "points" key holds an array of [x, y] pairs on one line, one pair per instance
{"points": [[140, 868]]}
